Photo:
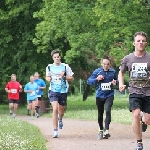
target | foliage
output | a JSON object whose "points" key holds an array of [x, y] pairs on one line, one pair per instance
{"points": [[83, 30]]}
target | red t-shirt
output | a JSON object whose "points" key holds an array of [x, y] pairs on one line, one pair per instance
{"points": [[14, 87]]}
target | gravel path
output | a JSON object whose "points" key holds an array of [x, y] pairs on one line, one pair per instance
{"points": [[82, 135]]}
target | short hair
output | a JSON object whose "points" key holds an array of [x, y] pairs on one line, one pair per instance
{"points": [[13, 75], [36, 73], [55, 52], [106, 57], [140, 33]]}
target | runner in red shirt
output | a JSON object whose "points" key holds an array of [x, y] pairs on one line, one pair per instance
{"points": [[13, 88]]}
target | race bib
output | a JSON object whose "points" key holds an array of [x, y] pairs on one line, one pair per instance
{"points": [[33, 93], [139, 75], [56, 79], [13, 90], [38, 95], [106, 86], [139, 70]]}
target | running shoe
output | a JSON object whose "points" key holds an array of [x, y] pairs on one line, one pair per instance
{"points": [[10, 113], [55, 135], [32, 118], [14, 115], [60, 124], [106, 135], [37, 115], [139, 146], [144, 127], [100, 135]]}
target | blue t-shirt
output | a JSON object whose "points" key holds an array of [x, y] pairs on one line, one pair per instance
{"points": [[34, 88], [58, 84], [40, 83]]}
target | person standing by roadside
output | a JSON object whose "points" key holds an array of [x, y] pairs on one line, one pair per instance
{"points": [[138, 66], [58, 74], [31, 89], [104, 78], [13, 88], [41, 86]]}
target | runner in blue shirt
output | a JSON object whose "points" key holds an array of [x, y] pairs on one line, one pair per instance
{"points": [[104, 78], [58, 74], [31, 89], [42, 86]]}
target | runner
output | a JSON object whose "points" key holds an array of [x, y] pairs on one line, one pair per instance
{"points": [[138, 65], [41, 86], [31, 89], [13, 88], [104, 78], [58, 74]]}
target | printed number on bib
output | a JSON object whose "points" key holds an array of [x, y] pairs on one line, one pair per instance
{"points": [[56, 79], [13, 90], [106, 86], [139, 70]]}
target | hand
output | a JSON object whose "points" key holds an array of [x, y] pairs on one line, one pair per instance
{"points": [[20, 86], [30, 91], [100, 77], [48, 78], [62, 74], [122, 87], [113, 82], [9, 91]]}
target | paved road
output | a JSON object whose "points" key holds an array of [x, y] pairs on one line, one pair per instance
{"points": [[82, 135]]}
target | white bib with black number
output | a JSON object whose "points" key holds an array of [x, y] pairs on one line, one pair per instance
{"points": [[13, 90], [56, 79], [106, 86], [139, 70]]}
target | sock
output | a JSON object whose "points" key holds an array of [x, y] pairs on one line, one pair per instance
{"points": [[36, 108], [55, 129], [11, 111], [139, 141], [106, 131], [60, 119]]}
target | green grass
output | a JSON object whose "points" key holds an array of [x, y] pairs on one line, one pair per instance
{"points": [[19, 135]]}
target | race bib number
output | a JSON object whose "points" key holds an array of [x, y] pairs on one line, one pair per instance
{"points": [[106, 86], [13, 90], [32, 93], [56, 79], [139, 70]]}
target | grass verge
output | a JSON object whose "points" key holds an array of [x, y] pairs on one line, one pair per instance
{"points": [[19, 135]]}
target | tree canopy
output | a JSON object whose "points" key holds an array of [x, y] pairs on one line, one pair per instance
{"points": [[83, 30]]}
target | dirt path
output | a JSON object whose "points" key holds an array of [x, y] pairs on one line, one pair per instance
{"points": [[82, 135]]}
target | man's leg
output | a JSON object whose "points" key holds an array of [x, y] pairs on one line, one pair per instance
{"points": [[11, 105], [55, 118], [146, 118], [137, 128], [28, 108], [61, 108], [37, 108], [15, 108]]}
